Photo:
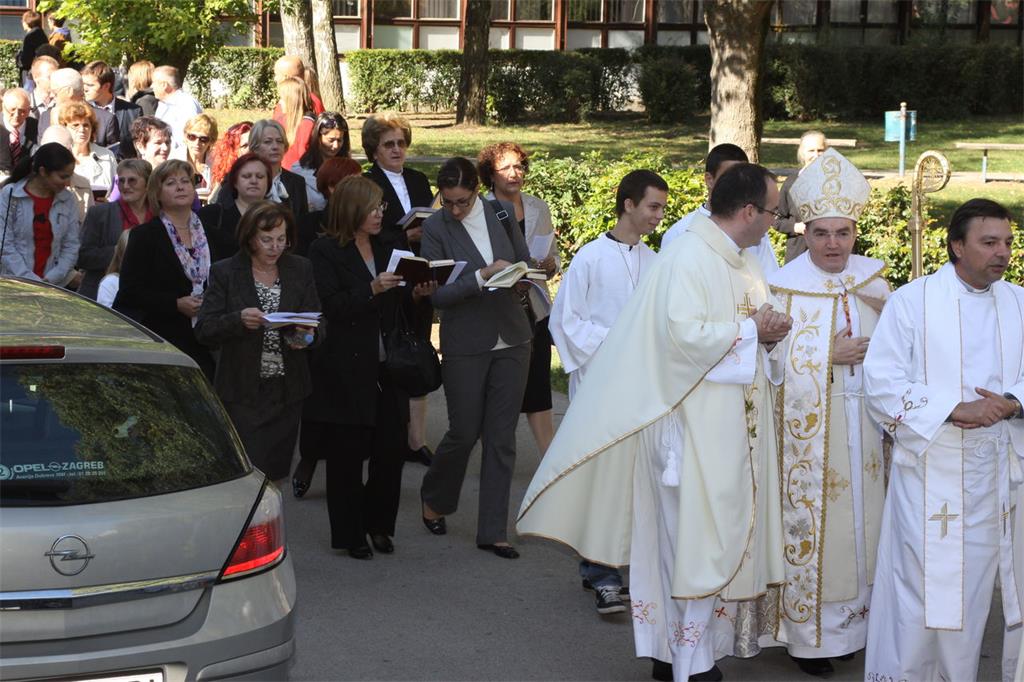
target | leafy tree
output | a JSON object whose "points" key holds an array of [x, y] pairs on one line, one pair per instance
{"points": [[173, 32]]}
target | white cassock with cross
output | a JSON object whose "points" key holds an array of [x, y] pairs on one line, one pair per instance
{"points": [[948, 524]]}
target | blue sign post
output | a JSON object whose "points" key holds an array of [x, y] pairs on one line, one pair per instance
{"points": [[901, 126]]}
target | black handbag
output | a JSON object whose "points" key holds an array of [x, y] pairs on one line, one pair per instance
{"points": [[410, 360]]}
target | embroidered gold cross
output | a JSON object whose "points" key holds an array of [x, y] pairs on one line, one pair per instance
{"points": [[747, 307], [945, 517], [1006, 515]]}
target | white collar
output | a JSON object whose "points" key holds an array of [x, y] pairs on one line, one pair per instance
{"points": [[391, 175], [968, 289]]}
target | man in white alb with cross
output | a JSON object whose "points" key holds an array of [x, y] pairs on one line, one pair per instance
{"points": [[944, 375]]}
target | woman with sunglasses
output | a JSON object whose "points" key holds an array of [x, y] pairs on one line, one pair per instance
{"points": [[105, 222], [262, 374], [356, 412], [328, 139], [200, 136], [386, 139]]}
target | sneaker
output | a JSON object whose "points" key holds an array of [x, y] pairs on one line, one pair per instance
{"points": [[609, 601], [623, 589]]}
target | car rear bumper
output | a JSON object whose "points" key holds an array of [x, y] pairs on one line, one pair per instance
{"points": [[240, 629]]}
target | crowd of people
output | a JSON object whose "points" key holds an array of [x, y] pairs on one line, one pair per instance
{"points": [[783, 455]]}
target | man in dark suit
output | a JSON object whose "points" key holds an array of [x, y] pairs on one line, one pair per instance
{"points": [[18, 132], [32, 22], [66, 85], [98, 86]]}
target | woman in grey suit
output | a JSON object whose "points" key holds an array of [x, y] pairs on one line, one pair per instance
{"points": [[485, 341], [105, 222], [263, 373]]}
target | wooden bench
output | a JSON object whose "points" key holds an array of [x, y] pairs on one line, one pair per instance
{"points": [[984, 147], [832, 142]]}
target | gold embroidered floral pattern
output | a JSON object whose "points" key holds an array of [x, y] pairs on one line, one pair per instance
{"points": [[834, 484], [873, 465], [687, 635], [801, 359], [908, 406], [642, 612]]}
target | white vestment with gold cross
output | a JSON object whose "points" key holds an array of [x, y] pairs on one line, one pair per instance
{"points": [[948, 525], [832, 470], [674, 424]]}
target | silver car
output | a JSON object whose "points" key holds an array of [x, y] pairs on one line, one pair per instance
{"points": [[136, 540]]}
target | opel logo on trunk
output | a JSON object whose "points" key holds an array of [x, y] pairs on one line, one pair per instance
{"points": [[69, 555]]}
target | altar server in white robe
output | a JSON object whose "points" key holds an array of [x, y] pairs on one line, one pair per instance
{"points": [[666, 458], [944, 375], [719, 160], [603, 275], [833, 477]]}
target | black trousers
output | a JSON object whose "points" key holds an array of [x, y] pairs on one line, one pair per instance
{"points": [[357, 506]]}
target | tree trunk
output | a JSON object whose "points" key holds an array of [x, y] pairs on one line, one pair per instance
{"points": [[737, 30], [297, 24], [472, 103], [331, 91]]}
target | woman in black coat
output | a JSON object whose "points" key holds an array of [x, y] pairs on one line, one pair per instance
{"points": [[356, 412], [167, 263], [262, 374], [386, 139]]}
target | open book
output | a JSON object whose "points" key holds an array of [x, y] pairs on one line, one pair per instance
{"points": [[415, 270], [277, 320], [415, 217], [512, 274]]}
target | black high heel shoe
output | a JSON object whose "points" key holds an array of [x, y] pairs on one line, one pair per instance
{"points": [[302, 477], [435, 526]]}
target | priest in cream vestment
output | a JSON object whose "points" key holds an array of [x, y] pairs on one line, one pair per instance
{"points": [[944, 375], [666, 458], [833, 475]]}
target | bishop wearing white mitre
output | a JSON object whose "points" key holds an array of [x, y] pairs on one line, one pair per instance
{"points": [[943, 375], [666, 458], [833, 477]]}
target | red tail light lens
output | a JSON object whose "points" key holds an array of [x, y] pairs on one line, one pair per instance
{"points": [[31, 352], [262, 544]]}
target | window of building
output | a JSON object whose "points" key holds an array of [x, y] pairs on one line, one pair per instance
{"points": [[533, 10], [845, 12], [345, 8], [10, 27], [438, 9], [392, 9], [882, 13], [584, 10], [798, 12], [499, 10], [275, 34], [930, 12], [675, 11], [1005, 12], [626, 11]]}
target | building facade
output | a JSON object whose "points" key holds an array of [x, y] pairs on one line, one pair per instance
{"points": [[575, 24]]}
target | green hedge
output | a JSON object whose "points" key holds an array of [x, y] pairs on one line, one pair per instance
{"points": [[802, 81], [8, 65], [581, 194], [245, 78]]}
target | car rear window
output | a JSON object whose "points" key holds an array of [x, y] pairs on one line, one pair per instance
{"points": [[80, 433]]}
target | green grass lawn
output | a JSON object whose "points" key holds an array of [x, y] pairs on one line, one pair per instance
{"points": [[436, 135]]}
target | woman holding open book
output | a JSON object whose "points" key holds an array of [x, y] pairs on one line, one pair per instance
{"points": [[263, 373], [503, 168], [356, 411], [485, 340], [386, 138]]}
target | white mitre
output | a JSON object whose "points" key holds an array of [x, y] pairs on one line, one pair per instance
{"points": [[831, 187]]}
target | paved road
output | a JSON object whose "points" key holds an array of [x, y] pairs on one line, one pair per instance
{"points": [[440, 609]]}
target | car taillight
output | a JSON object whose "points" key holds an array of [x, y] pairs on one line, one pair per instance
{"points": [[31, 352], [262, 544]]}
